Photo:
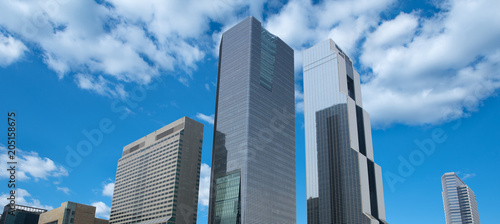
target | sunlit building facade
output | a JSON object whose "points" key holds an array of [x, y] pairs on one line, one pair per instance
{"points": [[70, 213], [157, 179], [344, 184]]}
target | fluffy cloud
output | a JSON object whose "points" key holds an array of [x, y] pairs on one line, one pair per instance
{"points": [[108, 189], [348, 21], [299, 99], [125, 41], [31, 165], [416, 69], [135, 41], [428, 71], [394, 32], [204, 192], [102, 210], [207, 118], [302, 24], [100, 85], [11, 50], [23, 197], [420, 70], [294, 23]]}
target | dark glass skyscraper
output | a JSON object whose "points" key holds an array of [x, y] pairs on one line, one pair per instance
{"points": [[344, 185], [253, 159]]}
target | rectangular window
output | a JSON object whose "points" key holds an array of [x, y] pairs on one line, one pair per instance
{"points": [[350, 88], [373, 189], [227, 198], [165, 133], [361, 130]]}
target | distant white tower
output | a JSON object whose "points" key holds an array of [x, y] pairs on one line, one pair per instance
{"points": [[460, 205]]}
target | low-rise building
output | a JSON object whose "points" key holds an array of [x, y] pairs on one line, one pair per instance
{"points": [[20, 214], [71, 213]]}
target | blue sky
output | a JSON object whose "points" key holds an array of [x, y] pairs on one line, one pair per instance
{"points": [[429, 72]]}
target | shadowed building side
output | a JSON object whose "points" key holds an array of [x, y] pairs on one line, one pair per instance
{"points": [[20, 214]]}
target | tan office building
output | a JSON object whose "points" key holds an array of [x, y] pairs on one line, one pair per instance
{"points": [[71, 213], [158, 176]]}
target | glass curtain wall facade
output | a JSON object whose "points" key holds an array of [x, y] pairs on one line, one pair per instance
{"points": [[253, 159], [459, 201], [344, 185]]}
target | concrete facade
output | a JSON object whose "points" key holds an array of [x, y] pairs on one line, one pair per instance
{"points": [[157, 179], [71, 213]]}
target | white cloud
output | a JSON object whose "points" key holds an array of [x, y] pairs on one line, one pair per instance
{"points": [[100, 85], [207, 86], [102, 210], [124, 40], [301, 24], [207, 118], [204, 193], [416, 69], [64, 189], [23, 197], [294, 24], [297, 64], [184, 81], [299, 99], [108, 189], [428, 71], [349, 32], [466, 176], [394, 32], [299, 95], [11, 50], [299, 107], [348, 21], [423, 70], [31, 165]]}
